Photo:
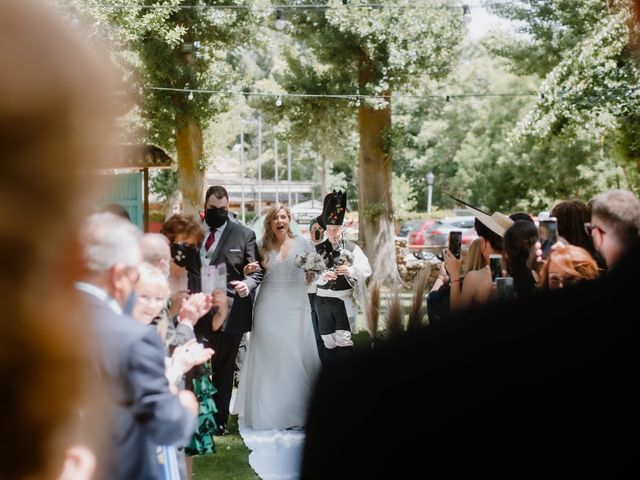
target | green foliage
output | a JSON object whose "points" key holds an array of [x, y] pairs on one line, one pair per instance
{"points": [[466, 143], [589, 95], [402, 197], [169, 46], [372, 211], [164, 184], [546, 31], [231, 460], [379, 49]]}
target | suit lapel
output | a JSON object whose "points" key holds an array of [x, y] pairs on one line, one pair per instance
{"points": [[223, 239]]}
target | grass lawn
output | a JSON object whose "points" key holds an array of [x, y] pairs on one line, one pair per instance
{"points": [[231, 460]]}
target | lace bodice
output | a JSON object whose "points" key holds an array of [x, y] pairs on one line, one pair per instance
{"points": [[287, 270]]}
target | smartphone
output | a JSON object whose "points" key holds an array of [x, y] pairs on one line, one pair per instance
{"points": [[495, 264], [213, 277], [548, 234], [455, 242], [504, 288], [317, 235]]}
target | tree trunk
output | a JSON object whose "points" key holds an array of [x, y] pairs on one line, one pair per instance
{"points": [[190, 149], [375, 210], [323, 176]]}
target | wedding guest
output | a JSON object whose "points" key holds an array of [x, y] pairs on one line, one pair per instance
{"points": [[152, 293], [571, 215], [185, 235], [128, 356], [566, 265], [615, 224], [347, 269], [156, 251], [234, 245], [520, 255], [116, 209], [478, 286], [475, 260], [281, 364]]}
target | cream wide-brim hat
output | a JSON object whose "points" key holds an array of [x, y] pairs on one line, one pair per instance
{"points": [[497, 222]]}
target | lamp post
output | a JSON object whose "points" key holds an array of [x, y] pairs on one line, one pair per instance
{"points": [[259, 165], [239, 147], [289, 170], [430, 178]]}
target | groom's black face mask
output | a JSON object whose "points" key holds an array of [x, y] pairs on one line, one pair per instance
{"points": [[216, 217], [186, 256]]}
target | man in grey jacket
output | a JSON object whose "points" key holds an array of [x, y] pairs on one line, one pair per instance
{"points": [[128, 357]]}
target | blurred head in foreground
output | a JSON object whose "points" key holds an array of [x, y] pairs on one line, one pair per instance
{"points": [[53, 119]]}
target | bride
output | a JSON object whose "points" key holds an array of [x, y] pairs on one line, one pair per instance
{"points": [[282, 361]]}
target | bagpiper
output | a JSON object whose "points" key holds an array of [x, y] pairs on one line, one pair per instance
{"points": [[347, 267]]}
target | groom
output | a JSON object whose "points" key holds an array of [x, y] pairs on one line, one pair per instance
{"points": [[233, 244]]}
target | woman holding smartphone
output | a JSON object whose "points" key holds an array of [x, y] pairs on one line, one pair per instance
{"points": [[478, 285]]}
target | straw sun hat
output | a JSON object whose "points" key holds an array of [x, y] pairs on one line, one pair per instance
{"points": [[497, 222]]}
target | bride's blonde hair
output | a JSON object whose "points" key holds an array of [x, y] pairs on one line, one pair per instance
{"points": [[268, 236]]}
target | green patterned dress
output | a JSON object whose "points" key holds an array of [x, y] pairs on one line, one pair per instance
{"points": [[202, 441]]}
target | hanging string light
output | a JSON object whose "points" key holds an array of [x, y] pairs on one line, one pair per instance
{"points": [[363, 5], [466, 14], [624, 91], [280, 23]]}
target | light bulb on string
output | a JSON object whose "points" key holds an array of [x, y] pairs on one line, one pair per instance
{"points": [[281, 23], [466, 14], [279, 101], [190, 97], [357, 101]]}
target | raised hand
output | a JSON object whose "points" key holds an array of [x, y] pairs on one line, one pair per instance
{"points": [[190, 354], [195, 307]]}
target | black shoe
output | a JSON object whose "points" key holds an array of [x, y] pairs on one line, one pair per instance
{"points": [[221, 431]]}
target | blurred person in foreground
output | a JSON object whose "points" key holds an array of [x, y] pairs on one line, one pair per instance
{"points": [[538, 387], [127, 356], [54, 118]]}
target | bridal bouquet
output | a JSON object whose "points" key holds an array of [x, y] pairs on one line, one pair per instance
{"points": [[312, 264]]}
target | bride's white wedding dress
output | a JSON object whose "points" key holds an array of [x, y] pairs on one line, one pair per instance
{"points": [[281, 365]]}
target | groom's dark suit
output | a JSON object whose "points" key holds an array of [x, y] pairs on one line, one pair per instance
{"points": [[236, 248], [128, 358]]}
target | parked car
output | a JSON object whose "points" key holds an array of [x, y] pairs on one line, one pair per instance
{"points": [[437, 235], [469, 236], [408, 226], [415, 239]]}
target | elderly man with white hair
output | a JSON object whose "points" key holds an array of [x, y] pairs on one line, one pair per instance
{"points": [[127, 356]]}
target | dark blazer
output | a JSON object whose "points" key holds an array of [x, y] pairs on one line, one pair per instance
{"points": [[236, 247], [542, 388], [128, 358]]}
